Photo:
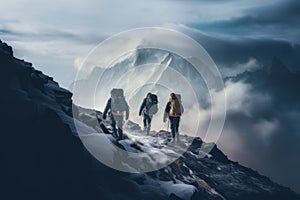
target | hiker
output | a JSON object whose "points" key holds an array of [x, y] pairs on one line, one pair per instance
{"points": [[148, 109], [115, 107], [174, 110]]}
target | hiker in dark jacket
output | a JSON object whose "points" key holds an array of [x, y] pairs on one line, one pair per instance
{"points": [[117, 116], [146, 116], [173, 110]]}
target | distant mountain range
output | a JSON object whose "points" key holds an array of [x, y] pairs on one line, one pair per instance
{"points": [[276, 80]]}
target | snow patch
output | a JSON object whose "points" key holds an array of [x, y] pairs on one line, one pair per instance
{"points": [[180, 190]]}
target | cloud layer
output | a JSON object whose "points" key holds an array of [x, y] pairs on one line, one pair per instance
{"points": [[262, 129]]}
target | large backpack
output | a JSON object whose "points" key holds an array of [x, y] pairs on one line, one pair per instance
{"points": [[151, 104], [176, 108], [118, 103]]}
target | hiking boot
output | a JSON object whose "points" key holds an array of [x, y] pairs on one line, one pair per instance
{"points": [[114, 134], [177, 137], [173, 140], [120, 137], [144, 129]]}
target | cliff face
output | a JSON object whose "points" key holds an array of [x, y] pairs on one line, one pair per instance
{"points": [[42, 158]]}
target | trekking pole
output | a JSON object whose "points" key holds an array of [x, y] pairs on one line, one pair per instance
{"points": [[141, 121], [168, 123]]}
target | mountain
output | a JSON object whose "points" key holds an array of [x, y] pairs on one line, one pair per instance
{"points": [[275, 80], [42, 156], [141, 64]]}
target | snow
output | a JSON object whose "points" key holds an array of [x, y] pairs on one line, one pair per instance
{"points": [[154, 151], [180, 190]]}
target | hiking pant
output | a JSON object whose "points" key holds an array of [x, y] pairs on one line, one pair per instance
{"points": [[117, 120], [174, 121], [147, 122]]}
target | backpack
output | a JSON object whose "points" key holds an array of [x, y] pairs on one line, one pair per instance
{"points": [[118, 103], [151, 104], [176, 109]]}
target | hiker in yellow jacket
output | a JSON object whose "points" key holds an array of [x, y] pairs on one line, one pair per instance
{"points": [[174, 110]]}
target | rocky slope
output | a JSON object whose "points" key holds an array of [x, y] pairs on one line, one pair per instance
{"points": [[42, 158]]}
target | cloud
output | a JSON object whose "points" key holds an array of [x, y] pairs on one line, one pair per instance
{"points": [[229, 51], [266, 128], [278, 20], [51, 50], [251, 65], [270, 146], [75, 27], [261, 129], [284, 12]]}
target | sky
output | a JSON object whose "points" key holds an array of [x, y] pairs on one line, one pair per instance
{"points": [[240, 36], [68, 30]]}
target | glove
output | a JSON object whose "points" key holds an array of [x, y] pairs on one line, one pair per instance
{"points": [[141, 111], [104, 116]]}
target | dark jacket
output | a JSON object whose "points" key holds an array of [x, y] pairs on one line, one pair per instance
{"points": [[143, 106], [108, 108]]}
